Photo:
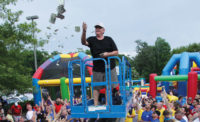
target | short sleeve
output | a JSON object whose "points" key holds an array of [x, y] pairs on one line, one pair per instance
{"points": [[114, 47], [89, 39]]}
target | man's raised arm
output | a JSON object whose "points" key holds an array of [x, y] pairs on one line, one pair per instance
{"points": [[83, 37]]}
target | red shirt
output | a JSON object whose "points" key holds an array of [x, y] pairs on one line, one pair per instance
{"points": [[57, 107], [16, 110], [36, 108], [103, 91], [165, 107], [193, 111]]}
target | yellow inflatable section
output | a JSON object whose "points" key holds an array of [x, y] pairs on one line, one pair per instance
{"points": [[147, 89], [194, 64], [56, 82]]}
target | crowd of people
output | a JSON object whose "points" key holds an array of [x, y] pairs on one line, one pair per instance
{"points": [[47, 111], [147, 109], [140, 109]]}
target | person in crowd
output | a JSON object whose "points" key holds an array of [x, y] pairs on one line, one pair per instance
{"points": [[9, 116], [189, 101], [183, 109], [36, 107], [155, 116], [193, 107], [64, 114], [41, 116], [50, 113], [167, 116], [153, 108], [57, 105], [161, 110], [16, 110], [147, 114], [30, 115], [180, 100], [130, 115], [140, 111], [2, 115], [197, 118], [22, 119], [179, 116]]}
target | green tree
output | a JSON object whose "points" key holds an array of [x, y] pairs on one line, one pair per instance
{"points": [[151, 59], [135, 74], [144, 61], [194, 47], [28, 59], [162, 54], [54, 53], [15, 38]]}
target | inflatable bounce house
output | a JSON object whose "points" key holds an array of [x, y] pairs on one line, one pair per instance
{"points": [[54, 73], [187, 79]]}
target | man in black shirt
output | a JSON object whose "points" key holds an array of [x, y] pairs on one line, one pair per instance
{"points": [[101, 47]]}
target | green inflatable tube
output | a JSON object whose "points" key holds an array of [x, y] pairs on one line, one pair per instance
{"points": [[173, 78], [64, 89]]}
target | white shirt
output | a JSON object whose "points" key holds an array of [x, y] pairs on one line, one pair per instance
{"points": [[197, 120], [185, 118], [29, 115]]}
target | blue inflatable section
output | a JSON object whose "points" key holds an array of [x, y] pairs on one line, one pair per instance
{"points": [[185, 60], [195, 57], [36, 91], [82, 55], [168, 68], [184, 69]]}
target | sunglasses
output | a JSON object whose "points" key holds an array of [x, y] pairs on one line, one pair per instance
{"points": [[99, 27]]}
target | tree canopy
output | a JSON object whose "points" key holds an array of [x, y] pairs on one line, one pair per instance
{"points": [[151, 59], [16, 62], [195, 47]]}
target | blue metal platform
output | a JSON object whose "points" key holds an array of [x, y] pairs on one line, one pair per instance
{"points": [[86, 109]]}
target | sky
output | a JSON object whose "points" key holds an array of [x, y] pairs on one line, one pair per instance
{"points": [[177, 21]]}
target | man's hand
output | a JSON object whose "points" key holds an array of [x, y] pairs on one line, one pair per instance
{"points": [[84, 26], [104, 55], [107, 54]]}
